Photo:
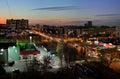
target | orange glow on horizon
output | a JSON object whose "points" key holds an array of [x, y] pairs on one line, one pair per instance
{"points": [[53, 21], [2, 21]]}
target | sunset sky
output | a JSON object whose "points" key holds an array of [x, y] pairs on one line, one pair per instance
{"points": [[62, 12]]}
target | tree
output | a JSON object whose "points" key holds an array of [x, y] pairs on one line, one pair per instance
{"points": [[59, 50], [109, 56], [70, 53]]}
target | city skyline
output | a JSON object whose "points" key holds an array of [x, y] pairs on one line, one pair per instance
{"points": [[62, 12]]}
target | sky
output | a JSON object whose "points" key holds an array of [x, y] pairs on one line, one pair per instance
{"points": [[62, 12]]}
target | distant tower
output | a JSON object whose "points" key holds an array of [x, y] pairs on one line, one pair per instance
{"points": [[89, 23], [118, 31]]}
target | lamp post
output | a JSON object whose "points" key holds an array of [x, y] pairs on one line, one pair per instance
{"points": [[30, 39], [4, 57]]}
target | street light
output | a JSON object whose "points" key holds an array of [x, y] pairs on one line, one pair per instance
{"points": [[30, 39], [2, 50], [4, 56]]}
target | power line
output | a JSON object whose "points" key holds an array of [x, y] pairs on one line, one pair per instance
{"points": [[9, 9]]}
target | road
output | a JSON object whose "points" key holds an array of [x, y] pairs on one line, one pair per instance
{"points": [[58, 39], [71, 42]]}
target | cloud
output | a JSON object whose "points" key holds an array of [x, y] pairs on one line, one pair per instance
{"points": [[58, 8], [114, 14]]}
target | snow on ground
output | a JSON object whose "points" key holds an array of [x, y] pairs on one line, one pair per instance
{"points": [[23, 63]]}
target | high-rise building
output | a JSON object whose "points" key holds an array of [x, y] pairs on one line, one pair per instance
{"points": [[17, 23], [118, 31], [89, 23]]}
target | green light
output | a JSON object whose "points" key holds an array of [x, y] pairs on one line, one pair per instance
{"points": [[22, 45]]}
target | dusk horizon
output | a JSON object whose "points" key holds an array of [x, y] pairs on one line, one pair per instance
{"points": [[64, 12]]}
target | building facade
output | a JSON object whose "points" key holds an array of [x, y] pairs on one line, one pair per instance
{"points": [[17, 23], [118, 31]]}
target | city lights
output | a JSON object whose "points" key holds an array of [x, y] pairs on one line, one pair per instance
{"points": [[60, 39]]}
